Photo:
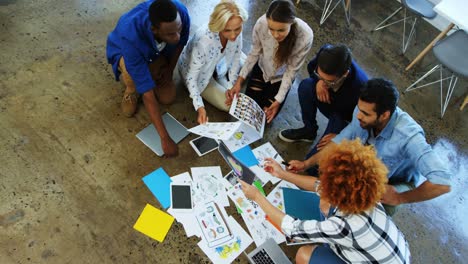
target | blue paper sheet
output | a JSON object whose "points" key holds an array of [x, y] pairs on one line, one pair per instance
{"points": [[159, 183], [246, 156], [300, 204]]}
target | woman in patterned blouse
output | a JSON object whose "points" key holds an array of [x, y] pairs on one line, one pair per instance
{"points": [[280, 42], [210, 63], [355, 228]]}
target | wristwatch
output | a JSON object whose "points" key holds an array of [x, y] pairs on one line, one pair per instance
{"points": [[316, 185]]}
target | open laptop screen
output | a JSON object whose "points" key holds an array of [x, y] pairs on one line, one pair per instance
{"points": [[240, 170]]}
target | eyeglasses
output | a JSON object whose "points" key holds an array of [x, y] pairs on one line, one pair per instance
{"points": [[331, 84]]}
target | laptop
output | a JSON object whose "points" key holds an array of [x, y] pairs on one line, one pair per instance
{"points": [[150, 137], [268, 253], [238, 168]]}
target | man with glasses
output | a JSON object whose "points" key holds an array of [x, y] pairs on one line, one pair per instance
{"points": [[333, 88], [399, 142]]}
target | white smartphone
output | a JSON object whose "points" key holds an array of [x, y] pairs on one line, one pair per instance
{"points": [[181, 197], [203, 145]]}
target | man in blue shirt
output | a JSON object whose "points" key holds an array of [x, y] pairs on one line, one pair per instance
{"points": [[144, 48], [400, 144], [333, 88]]}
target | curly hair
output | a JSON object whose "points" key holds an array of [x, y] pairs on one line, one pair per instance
{"points": [[352, 177]]}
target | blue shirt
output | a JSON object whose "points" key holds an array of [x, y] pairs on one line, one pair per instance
{"points": [[402, 147], [345, 99], [133, 39]]}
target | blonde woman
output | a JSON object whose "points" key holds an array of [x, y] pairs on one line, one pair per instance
{"points": [[210, 63]]}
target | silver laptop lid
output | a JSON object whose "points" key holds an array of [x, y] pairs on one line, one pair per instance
{"points": [[268, 253]]}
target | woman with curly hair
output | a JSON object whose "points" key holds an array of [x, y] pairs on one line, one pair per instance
{"points": [[355, 228]]}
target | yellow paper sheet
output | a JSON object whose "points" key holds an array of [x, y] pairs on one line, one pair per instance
{"points": [[154, 223]]}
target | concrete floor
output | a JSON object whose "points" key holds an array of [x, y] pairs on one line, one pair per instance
{"points": [[70, 183]]}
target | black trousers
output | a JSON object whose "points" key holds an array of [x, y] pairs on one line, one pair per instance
{"points": [[265, 92]]}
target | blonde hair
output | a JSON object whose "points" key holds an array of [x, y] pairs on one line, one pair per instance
{"points": [[224, 11]]}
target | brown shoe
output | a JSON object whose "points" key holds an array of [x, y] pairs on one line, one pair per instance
{"points": [[129, 104]]}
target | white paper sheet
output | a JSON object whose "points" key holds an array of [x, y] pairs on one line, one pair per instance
{"points": [[276, 195], [216, 130], [244, 136], [208, 185], [249, 112], [229, 251], [261, 229], [266, 151]]}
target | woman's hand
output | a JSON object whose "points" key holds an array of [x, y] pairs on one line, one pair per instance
{"points": [[250, 191], [271, 111], [202, 118], [273, 167], [231, 93]]}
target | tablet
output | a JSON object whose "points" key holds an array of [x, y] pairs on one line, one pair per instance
{"points": [[203, 145], [181, 197]]}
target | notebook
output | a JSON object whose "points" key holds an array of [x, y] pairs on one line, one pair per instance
{"points": [[238, 168], [302, 205], [150, 137], [268, 253]]}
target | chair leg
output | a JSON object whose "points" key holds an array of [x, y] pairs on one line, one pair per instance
{"points": [[327, 11], [404, 44], [448, 95], [382, 24], [347, 10], [414, 87], [465, 102]]}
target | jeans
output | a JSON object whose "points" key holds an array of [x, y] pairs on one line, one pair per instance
{"points": [[309, 105]]}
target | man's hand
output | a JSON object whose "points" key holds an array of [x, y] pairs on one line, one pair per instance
{"points": [[231, 93], [271, 111], [202, 118], [391, 196], [169, 147], [250, 191], [322, 92], [273, 167], [296, 166], [325, 140]]}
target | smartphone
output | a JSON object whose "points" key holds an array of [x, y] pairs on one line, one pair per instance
{"points": [[181, 197], [203, 145]]}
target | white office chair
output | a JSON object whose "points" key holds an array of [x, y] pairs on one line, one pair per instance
{"points": [[420, 8], [451, 52]]}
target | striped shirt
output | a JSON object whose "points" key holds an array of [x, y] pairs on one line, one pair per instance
{"points": [[369, 237]]}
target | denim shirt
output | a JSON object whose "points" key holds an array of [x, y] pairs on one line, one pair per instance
{"points": [[403, 149]]}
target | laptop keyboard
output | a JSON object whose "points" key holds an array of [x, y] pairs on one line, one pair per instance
{"points": [[262, 258]]}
